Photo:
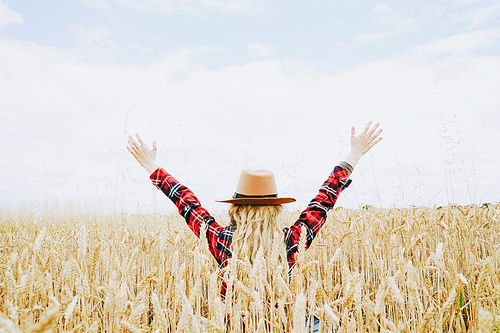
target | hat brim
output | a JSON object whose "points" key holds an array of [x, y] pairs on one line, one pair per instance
{"points": [[258, 201]]}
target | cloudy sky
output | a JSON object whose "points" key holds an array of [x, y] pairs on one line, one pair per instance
{"points": [[224, 85]]}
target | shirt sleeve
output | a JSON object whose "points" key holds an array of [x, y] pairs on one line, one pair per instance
{"points": [[189, 207], [314, 216]]}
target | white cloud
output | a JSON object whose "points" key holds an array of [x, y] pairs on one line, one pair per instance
{"points": [[8, 16], [374, 36], [458, 44], [389, 17], [482, 16], [386, 14], [235, 5], [95, 3], [260, 50], [100, 44], [194, 7], [88, 35], [155, 5], [95, 43], [67, 120], [473, 14]]}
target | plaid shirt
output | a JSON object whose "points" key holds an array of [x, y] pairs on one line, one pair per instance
{"points": [[220, 238]]}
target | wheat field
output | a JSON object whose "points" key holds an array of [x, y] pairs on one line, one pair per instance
{"points": [[369, 270]]}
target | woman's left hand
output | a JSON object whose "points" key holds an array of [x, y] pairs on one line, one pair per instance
{"points": [[362, 143], [145, 156], [368, 138]]}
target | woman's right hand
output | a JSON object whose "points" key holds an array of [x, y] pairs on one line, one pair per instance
{"points": [[145, 156]]}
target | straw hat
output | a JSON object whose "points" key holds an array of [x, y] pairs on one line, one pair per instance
{"points": [[257, 187]]}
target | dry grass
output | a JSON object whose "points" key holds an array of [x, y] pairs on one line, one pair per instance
{"points": [[375, 270]]}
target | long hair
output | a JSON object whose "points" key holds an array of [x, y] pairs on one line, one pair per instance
{"points": [[257, 273], [257, 228]]}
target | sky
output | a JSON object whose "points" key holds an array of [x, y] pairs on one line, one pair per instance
{"points": [[224, 85]]}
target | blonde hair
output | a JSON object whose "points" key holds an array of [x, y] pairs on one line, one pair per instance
{"points": [[257, 274], [257, 228]]}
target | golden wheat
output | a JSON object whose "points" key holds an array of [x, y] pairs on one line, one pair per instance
{"points": [[369, 270]]}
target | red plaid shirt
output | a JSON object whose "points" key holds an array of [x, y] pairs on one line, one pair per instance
{"points": [[220, 238]]}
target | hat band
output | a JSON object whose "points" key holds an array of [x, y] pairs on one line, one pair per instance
{"points": [[242, 196]]}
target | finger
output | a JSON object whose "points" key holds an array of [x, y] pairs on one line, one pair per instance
{"points": [[154, 145], [132, 144], [353, 131], [366, 128], [375, 142], [143, 145], [378, 133], [131, 139], [129, 149], [372, 130], [135, 147], [132, 151]]}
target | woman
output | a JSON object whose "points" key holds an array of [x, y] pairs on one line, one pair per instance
{"points": [[256, 206]]}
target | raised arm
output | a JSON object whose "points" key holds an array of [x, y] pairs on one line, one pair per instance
{"points": [[314, 216], [186, 202]]}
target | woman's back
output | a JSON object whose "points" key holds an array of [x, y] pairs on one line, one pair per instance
{"points": [[254, 253]]}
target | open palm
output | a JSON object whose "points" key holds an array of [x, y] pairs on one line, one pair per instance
{"points": [[145, 156]]}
